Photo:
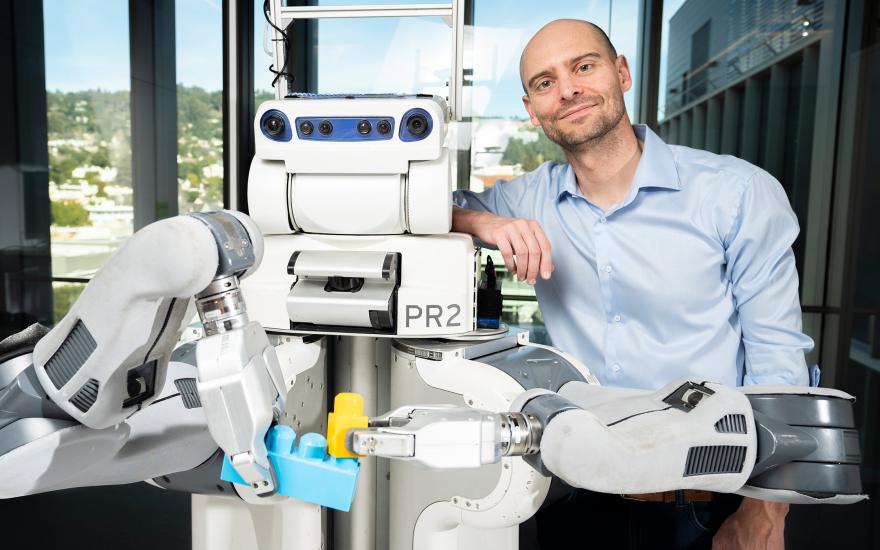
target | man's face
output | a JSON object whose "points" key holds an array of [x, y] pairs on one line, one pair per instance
{"points": [[574, 86]]}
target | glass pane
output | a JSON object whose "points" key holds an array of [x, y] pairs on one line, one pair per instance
{"points": [[63, 297], [87, 85], [399, 55], [504, 144], [366, 55], [199, 49]]}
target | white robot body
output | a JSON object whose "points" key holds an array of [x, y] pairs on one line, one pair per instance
{"points": [[432, 291]]}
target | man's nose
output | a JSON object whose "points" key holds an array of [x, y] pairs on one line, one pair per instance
{"points": [[568, 89]]}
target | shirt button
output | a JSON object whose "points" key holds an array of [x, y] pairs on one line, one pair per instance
{"points": [[615, 367], [608, 268], [603, 219], [617, 318]]}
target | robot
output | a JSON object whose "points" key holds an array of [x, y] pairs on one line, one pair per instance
{"points": [[345, 278]]}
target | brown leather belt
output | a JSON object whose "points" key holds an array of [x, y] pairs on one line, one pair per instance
{"points": [[688, 495]]}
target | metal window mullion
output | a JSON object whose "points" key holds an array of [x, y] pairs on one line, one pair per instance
{"points": [[290, 13], [456, 83], [278, 51]]}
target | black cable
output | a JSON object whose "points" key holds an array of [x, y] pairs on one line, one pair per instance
{"points": [[283, 72], [165, 398]]}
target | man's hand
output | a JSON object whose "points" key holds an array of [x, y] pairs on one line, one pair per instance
{"points": [[522, 243], [756, 525]]}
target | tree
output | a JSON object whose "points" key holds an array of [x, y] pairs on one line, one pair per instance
{"points": [[69, 214], [531, 154], [63, 297]]}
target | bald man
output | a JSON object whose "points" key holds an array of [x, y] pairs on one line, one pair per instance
{"points": [[650, 262]]}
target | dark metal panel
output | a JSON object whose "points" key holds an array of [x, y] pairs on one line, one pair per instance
{"points": [[238, 100], [153, 110], [649, 45], [25, 263]]}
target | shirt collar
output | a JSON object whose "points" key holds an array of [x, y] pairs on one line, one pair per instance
{"points": [[656, 166]]}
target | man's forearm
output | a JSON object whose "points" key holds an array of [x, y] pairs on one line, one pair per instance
{"points": [[465, 220]]}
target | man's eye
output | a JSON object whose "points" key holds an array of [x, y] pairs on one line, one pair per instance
{"points": [[585, 67], [543, 85]]}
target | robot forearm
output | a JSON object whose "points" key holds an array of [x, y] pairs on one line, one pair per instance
{"points": [[108, 358], [787, 444]]}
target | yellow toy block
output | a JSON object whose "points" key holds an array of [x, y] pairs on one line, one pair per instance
{"points": [[348, 413]]}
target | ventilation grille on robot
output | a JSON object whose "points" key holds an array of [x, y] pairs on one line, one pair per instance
{"points": [[715, 459], [731, 424], [86, 396], [71, 355], [189, 393]]}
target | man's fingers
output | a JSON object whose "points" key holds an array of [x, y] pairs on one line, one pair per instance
{"points": [[521, 249], [503, 244], [546, 259], [534, 257]]}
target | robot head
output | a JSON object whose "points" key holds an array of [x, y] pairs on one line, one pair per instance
{"points": [[351, 165]]}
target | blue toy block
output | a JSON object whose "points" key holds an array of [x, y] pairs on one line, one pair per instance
{"points": [[305, 471]]}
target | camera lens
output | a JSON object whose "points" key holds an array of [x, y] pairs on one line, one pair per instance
{"points": [[417, 124], [364, 127], [383, 127], [306, 128], [274, 125], [325, 127]]}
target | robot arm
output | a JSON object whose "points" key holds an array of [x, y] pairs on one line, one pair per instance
{"points": [[774, 443], [107, 361]]}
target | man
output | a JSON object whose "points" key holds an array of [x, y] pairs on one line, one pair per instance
{"points": [[666, 262]]}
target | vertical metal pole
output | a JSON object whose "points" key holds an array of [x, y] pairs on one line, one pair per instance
{"points": [[777, 114], [713, 124], [698, 127], [649, 41], [685, 127], [456, 83], [674, 125], [355, 370], [731, 120], [750, 141]]}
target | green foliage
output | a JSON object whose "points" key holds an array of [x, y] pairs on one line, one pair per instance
{"points": [[63, 297], [69, 214], [531, 154]]}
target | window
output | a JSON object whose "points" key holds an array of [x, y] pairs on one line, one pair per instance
{"points": [[89, 137]]}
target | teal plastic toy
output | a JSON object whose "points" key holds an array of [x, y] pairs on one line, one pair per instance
{"points": [[305, 471]]}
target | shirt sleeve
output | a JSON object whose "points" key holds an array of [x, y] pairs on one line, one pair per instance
{"points": [[512, 199], [763, 276]]}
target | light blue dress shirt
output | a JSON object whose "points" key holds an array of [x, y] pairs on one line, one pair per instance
{"points": [[691, 275]]}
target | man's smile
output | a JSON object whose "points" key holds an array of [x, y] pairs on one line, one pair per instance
{"points": [[578, 110]]}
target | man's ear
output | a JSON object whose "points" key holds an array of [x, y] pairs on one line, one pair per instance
{"points": [[624, 76], [528, 105]]}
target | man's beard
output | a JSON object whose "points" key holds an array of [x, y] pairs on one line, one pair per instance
{"points": [[581, 138]]}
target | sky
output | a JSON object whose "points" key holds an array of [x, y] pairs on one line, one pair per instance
{"points": [[87, 47]]}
